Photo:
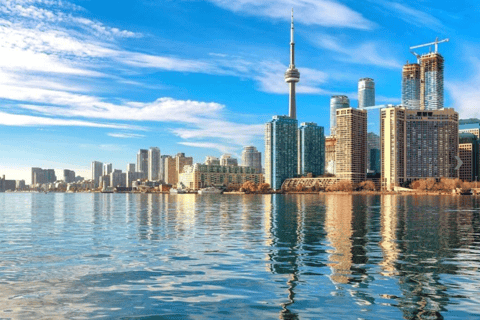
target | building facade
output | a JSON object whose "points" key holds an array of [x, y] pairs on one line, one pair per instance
{"points": [[337, 102], [142, 161], [211, 160], [170, 165], [227, 160], [131, 167], [154, 164], [68, 176], [281, 149], [97, 171], [201, 175], [311, 149], [330, 143], [43, 176], [107, 168], [180, 162], [251, 157], [418, 145], [373, 149], [431, 84], [366, 93], [468, 153], [411, 86], [351, 145]]}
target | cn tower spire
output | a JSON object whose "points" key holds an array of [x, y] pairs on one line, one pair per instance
{"points": [[292, 76]]}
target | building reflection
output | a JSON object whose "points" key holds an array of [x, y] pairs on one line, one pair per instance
{"points": [[389, 227]]}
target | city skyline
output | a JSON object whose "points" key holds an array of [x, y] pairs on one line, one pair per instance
{"points": [[99, 84]]}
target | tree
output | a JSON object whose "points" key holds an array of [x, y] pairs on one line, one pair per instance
{"points": [[342, 185], [249, 186], [366, 185], [264, 187]]}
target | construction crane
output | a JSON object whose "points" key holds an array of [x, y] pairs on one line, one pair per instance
{"points": [[428, 44]]}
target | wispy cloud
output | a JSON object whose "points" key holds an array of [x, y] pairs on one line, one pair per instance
{"points": [[413, 16], [326, 13], [125, 135]]}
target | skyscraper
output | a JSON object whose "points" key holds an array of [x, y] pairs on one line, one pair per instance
{"points": [[337, 102], [366, 93], [251, 157], [154, 164], [292, 76], [373, 152], [142, 161], [68, 176], [411, 86], [281, 160], [162, 167], [311, 149], [418, 144], [131, 167], [431, 85], [351, 145], [97, 170], [107, 168], [468, 152]]}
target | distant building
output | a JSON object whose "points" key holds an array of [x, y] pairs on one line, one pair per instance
{"points": [[131, 167], [281, 149], [351, 145], [330, 143], [431, 84], [68, 176], [97, 172], [181, 161], [43, 176], [212, 161], [170, 170], [162, 167], [469, 154], [201, 175], [411, 86], [470, 126], [118, 179], [107, 168], [142, 161], [227, 160], [366, 93], [251, 157], [373, 152], [20, 185], [418, 144], [154, 164], [132, 176], [337, 102], [311, 149]]}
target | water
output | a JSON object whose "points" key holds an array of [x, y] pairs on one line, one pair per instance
{"points": [[131, 256]]}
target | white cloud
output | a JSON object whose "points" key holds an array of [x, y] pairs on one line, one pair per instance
{"points": [[465, 93], [311, 12], [8, 119], [419, 18], [125, 135]]}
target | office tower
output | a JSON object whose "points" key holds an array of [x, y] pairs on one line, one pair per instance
{"points": [[107, 169], [292, 76], [117, 179], [68, 176], [154, 164], [162, 167], [37, 176], [373, 152], [469, 154], [417, 144], [170, 165], [337, 102], [204, 175], [142, 161], [131, 167], [330, 143], [431, 84], [311, 149], [227, 160], [50, 176], [211, 160], [281, 160], [366, 93], [470, 126], [251, 157], [351, 147], [20, 184], [97, 170], [411, 86]]}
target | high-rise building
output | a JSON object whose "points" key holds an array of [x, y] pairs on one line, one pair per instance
{"points": [[292, 76], [337, 102], [107, 168], [281, 151], [417, 144], [330, 143], [118, 179], [182, 161], [154, 164], [251, 157], [131, 167], [68, 176], [170, 165], [97, 171], [431, 84], [411, 86], [470, 126], [162, 167], [311, 149], [469, 154], [212, 161], [373, 152], [351, 145], [227, 160], [41, 176], [142, 161], [366, 93]]}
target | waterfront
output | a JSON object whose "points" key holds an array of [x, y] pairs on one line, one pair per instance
{"points": [[252, 256]]}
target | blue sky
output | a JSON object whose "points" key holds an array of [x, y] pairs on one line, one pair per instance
{"points": [[97, 80]]}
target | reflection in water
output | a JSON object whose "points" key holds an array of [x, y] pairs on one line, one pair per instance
{"points": [[255, 256]]}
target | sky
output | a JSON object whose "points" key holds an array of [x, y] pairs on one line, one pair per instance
{"points": [[98, 80]]}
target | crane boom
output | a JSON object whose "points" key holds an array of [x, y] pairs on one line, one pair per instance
{"points": [[431, 44]]}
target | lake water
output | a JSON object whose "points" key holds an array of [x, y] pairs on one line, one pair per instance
{"points": [[147, 256]]}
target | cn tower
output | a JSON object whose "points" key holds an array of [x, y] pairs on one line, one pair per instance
{"points": [[292, 76]]}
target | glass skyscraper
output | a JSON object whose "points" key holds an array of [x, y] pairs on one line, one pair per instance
{"points": [[311, 149], [336, 102], [366, 93], [411, 86], [280, 150]]}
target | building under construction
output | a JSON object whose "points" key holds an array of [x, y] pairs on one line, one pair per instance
{"points": [[431, 85], [411, 86]]}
